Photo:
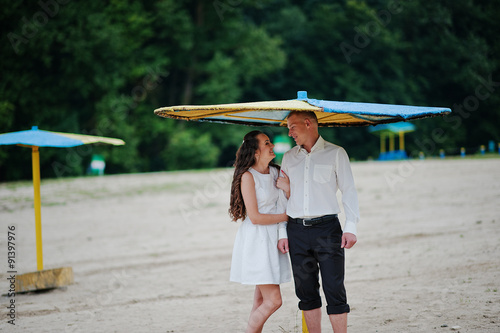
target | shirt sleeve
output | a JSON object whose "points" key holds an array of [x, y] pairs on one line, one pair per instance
{"points": [[345, 181], [282, 230]]}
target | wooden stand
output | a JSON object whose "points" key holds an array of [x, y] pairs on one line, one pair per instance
{"points": [[44, 279]]}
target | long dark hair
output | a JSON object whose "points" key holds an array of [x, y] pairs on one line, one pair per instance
{"points": [[245, 158]]}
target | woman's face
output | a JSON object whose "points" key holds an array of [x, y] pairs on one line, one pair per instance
{"points": [[265, 150]]}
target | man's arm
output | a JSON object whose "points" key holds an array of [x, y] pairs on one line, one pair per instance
{"points": [[345, 181], [283, 245]]}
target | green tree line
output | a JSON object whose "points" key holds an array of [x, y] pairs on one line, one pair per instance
{"points": [[102, 67]]}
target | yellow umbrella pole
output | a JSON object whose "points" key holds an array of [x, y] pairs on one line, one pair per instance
{"points": [[304, 325], [382, 143], [401, 140], [38, 215], [391, 142]]}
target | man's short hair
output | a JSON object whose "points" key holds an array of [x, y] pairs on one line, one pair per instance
{"points": [[305, 115]]}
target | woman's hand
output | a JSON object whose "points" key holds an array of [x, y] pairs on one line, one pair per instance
{"points": [[283, 183]]}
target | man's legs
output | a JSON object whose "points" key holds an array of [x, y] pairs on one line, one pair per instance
{"points": [[305, 274], [339, 322], [310, 246], [332, 262], [313, 320]]}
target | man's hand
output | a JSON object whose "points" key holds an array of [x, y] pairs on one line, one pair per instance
{"points": [[283, 245], [348, 240]]}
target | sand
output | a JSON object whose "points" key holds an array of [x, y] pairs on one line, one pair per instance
{"points": [[151, 252]]}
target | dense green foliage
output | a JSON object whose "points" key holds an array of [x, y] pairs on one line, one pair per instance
{"points": [[102, 67]]}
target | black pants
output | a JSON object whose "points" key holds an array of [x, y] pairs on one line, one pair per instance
{"points": [[315, 249]]}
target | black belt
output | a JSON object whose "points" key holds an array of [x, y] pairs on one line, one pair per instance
{"points": [[313, 221]]}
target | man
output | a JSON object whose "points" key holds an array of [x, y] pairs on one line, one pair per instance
{"points": [[317, 169]]}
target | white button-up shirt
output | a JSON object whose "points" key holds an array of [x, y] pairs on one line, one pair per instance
{"points": [[315, 178]]}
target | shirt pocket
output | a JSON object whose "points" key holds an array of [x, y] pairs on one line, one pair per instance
{"points": [[322, 173]]}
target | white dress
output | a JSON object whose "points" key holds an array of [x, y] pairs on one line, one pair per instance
{"points": [[256, 258]]}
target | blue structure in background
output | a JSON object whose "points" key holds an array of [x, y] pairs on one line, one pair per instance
{"points": [[390, 131]]}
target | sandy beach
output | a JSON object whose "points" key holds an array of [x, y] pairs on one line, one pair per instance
{"points": [[151, 252]]}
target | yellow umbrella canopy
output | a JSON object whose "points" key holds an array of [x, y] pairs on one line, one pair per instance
{"points": [[274, 113]]}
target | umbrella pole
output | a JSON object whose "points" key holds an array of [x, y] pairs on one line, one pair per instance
{"points": [[304, 325], [37, 203], [41, 279]]}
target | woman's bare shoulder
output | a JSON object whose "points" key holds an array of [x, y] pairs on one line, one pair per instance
{"points": [[247, 177]]}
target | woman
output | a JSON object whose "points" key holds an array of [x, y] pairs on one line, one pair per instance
{"points": [[261, 205]]}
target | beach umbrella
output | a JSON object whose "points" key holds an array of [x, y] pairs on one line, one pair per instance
{"points": [[36, 138], [274, 113], [390, 131]]}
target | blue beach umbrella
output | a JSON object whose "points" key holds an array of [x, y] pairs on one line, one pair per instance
{"points": [[391, 131], [329, 113], [36, 138]]}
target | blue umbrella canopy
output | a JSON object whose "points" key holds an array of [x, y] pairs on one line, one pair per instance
{"points": [[274, 113], [40, 138], [392, 128]]}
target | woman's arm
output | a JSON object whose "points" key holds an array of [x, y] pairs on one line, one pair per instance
{"points": [[283, 183], [250, 200]]}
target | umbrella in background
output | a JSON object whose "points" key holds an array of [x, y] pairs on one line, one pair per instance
{"points": [[390, 131], [274, 113], [36, 138]]}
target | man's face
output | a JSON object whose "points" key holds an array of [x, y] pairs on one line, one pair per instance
{"points": [[297, 129]]}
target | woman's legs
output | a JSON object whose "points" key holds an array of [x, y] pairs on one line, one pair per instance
{"points": [[267, 299], [257, 299]]}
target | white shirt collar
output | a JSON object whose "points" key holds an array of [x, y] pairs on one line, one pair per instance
{"points": [[319, 145]]}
